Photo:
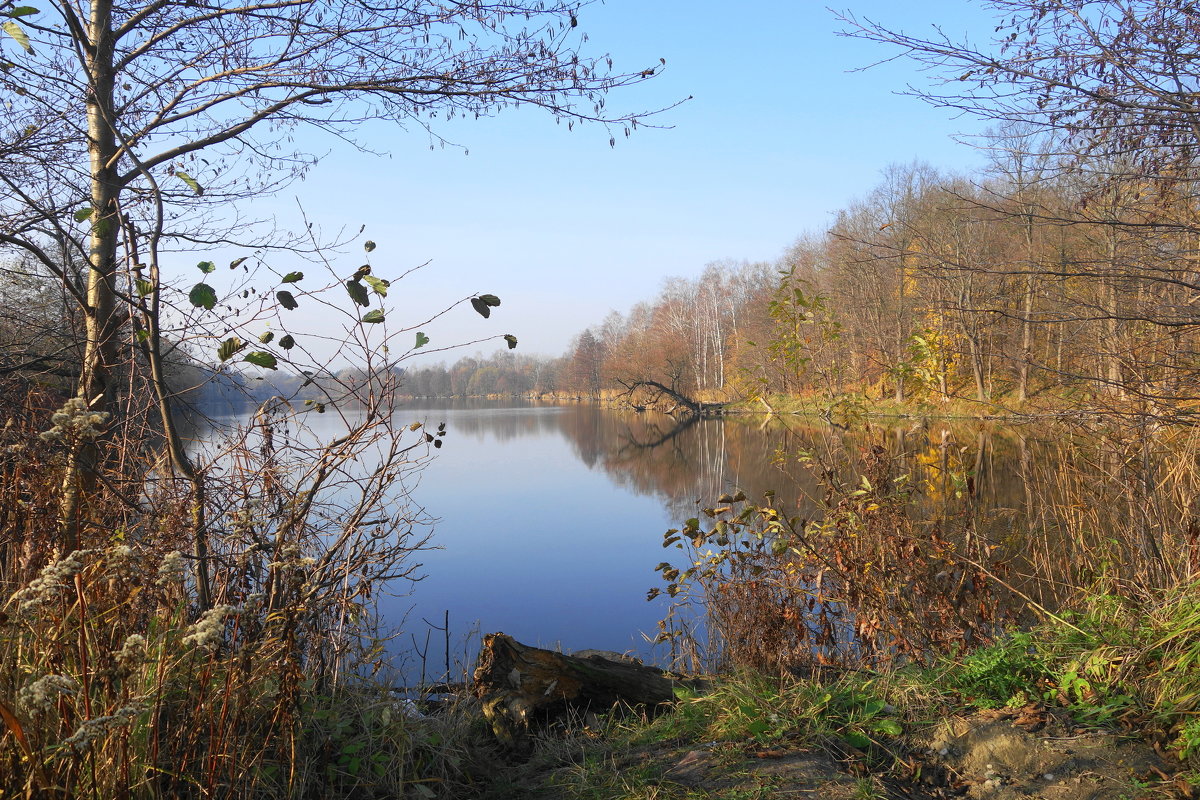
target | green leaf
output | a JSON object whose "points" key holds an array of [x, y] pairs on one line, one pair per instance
{"points": [[21, 11], [190, 181], [266, 337], [889, 726], [512, 341], [143, 335], [374, 315], [368, 245], [758, 727], [292, 277], [206, 267], [856, 739], [83, 213], [261, 359], [237, 262], [143, 287], [378, 284], [874, 707], [287, 342], [287, 300], [422, 340], [480, 306], [358, 292], [18, 34], [203, 296], [229, 348], [490, 299]]}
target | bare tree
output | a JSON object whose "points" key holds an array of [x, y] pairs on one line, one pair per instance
{"points": [[1113, 85], [128, 123]]}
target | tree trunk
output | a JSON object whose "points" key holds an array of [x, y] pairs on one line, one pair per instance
{"points": [[101, 319], [1026, 341], [697, 408], [522, 685]]}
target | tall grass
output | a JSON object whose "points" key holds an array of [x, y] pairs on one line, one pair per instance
{"points": [[115, 683], [903, 562], [863, 584]]}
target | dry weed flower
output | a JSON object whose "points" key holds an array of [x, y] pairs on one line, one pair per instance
{"points": [[53, 579], [289, 556], [133, 651], [40, 695], [75, 420], [207, 630], [171, 569], [242, 520], [120, 559], [94, 728]]}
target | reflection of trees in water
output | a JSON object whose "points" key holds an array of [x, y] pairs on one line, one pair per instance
{"points": [[1055, 507], [1051, 499], [479, 417], [683, 463], [679, 462]]}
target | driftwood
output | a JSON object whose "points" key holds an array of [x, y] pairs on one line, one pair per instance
{"points": [[521, 686]]}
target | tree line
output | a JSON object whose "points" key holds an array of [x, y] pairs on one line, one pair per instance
{"points": [[1065, 268], [1041, 276]]}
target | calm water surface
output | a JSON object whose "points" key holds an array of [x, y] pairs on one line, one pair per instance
{"points": [[537, 539], [550, 519]]}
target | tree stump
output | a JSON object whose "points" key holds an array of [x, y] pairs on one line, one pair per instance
{"points": [[521, 686]]}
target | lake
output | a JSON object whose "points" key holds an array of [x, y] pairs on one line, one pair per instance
{"points": [[550, 519]]}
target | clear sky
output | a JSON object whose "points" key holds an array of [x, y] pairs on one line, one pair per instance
{"points": [[781, 133]]}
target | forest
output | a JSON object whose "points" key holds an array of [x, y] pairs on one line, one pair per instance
{"points": [[1047, 278]]}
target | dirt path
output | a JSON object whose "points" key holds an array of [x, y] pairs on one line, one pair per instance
{"points": [[1023, 754]]}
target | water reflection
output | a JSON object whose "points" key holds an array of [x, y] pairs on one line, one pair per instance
{"points": [[551, 517]]}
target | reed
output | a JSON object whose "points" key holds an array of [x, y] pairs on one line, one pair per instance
{"points": [[115, 682], [904, 562]]}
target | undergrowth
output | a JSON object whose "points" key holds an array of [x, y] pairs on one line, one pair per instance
{"points": [[1111, 661], [117, 684]]}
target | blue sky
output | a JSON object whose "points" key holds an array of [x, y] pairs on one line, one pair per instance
{"points": [[781, 133]]}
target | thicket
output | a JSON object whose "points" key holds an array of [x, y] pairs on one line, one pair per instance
{"points": [[120, 677]]}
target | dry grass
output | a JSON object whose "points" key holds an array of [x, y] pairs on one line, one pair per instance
{"points": [[115, 683], [903, 561]]}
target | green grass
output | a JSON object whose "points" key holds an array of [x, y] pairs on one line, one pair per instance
{"points": [[1114, 664]]}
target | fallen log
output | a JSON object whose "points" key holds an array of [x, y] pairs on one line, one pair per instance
{"points": [[522, 686], [695, 408]]}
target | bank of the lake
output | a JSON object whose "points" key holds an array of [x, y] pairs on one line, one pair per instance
{"points": [[919, 544], [847, 408], [548, 518], [1097, 704]]}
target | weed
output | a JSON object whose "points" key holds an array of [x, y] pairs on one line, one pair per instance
{"points": [[863, 585], [1006, 673]]}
